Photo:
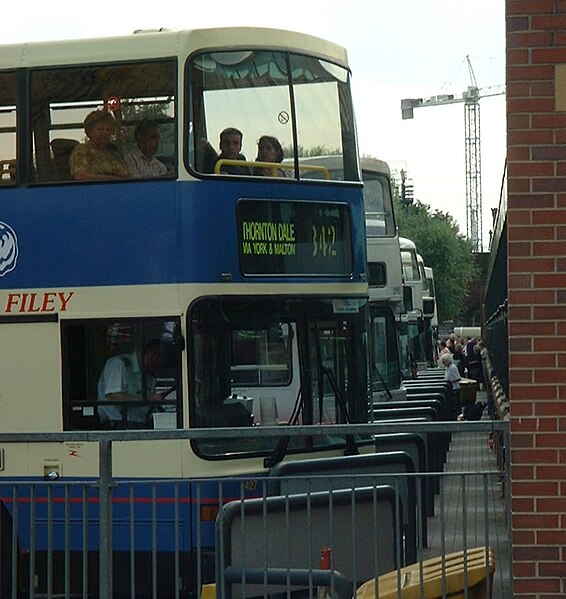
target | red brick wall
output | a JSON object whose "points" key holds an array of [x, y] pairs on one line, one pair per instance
{"points": [[536, 152]]}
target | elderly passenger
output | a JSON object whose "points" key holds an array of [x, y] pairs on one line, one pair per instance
{"points": [[452, 375], [98, 159]]}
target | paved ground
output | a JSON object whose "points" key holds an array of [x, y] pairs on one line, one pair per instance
{"points": [[470, 510]]}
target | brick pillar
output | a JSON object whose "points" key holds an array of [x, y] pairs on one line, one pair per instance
{"points": [[536, 217]]}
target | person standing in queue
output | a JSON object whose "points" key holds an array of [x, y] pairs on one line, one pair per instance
{"points": [[452, 375], [459, 358]]}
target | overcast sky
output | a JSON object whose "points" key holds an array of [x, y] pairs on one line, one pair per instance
{"points": [[397, 49]]}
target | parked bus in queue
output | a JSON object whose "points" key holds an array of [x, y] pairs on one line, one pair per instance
{"points": [[221, 295]]}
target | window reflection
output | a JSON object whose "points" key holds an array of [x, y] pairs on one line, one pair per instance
{"points": [[118, 374], [269, 361], [65, 102], [7, 129], [251, 92], [378, 205]]}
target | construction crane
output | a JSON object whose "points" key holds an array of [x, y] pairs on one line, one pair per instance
{"points": [[471, 99]]}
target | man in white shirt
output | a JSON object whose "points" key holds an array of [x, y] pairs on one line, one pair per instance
{"points": [[452, 375], [122, 381], [141, 160]]}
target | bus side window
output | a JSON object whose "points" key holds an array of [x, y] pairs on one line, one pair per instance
{"points": [[99, 355], [61, 100], [8, 163]]}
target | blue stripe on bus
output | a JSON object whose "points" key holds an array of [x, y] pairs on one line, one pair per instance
{"points": [[192, 495], [158, 232]]}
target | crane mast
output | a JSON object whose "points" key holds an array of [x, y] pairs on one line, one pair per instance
{"points": [[470, 98], [473, 174]]}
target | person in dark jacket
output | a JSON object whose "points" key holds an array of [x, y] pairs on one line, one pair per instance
{"points": [[459, 358], [230, 149]]}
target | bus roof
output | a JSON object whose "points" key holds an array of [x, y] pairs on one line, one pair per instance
{"points": [[374, 165], [406, 244], [162, 43]]}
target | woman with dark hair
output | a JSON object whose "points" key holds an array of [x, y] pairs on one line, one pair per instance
{"points": [[269, 150], [459, 358], [97, 158], [473, 361]]}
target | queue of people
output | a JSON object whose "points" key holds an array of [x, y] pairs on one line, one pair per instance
{"points": [[462, 358], [466, 354]]}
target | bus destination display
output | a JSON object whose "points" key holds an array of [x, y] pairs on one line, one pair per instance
{"points": [[294, 238]]}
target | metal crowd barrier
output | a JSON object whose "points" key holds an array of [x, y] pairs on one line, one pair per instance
{"points": [[108, 537]]}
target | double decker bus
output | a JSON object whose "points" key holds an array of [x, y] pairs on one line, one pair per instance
{"points": [[428, 307], [385, 282], [431, 317], [384, 272], [412, 324], [254, 286]]}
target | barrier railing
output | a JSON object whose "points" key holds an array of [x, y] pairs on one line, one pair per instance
{"points": [[255, 535]]}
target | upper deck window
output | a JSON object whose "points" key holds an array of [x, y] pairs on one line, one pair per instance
{"points": [[7, 129], [130, 133], [378, 205], [410, 265], [301, 101], [422, 276]]}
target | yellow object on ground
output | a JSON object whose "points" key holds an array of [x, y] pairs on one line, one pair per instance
{"points": [[208, 591], [434, 570]]}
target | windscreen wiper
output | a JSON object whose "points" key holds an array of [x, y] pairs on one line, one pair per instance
{"points": [[280, 449], [351, 447], [382, 381]]}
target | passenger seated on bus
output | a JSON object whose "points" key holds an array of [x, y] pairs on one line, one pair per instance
{"points": [[98, 159], [269, 150], [230, 149], [121, 381], [141, 160]]}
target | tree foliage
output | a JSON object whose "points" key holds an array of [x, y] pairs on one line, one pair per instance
{"points": [[444, 249], [303, 152]]}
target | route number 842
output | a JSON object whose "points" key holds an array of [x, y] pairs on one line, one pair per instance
{"points": [[323, 241]]}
